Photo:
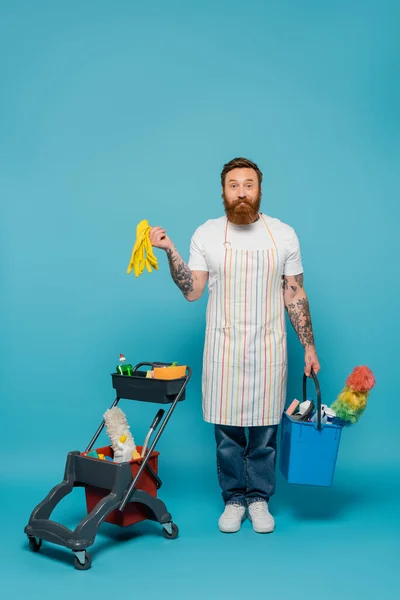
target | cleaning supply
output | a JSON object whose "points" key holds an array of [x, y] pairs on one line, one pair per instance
{"points": [[309, 450], [125, 451], [327, 415], [173, 371], [123, 369], [324, 417], [352, 400], [158, 371], [93, 454], [291, 409], [305, 411], [118, 430], [330, 414], [142, 253]]}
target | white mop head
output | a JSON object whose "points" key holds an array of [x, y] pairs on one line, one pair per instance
{"points": [[117, 425]]}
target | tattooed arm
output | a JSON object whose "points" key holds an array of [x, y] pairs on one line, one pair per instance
{"points": [[298, 308], [191, 283]]}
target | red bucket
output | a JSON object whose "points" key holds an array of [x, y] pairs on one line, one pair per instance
{"points": [[133, 512]]}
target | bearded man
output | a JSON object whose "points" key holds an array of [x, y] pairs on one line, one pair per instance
{"points": [[253, 267]]}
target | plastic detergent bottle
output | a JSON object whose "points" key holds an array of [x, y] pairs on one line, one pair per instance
{"points": [[123, 368]]}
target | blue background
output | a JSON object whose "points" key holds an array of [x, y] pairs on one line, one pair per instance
{"points": [[111, 113]]}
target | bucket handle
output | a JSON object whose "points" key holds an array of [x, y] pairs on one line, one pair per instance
{"points": [[319, 401]]}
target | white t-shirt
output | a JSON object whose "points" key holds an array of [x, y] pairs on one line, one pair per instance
{"points": [[207, 244]]}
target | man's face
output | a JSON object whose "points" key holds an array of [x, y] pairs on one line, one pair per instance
{"points": [[242, 196]]}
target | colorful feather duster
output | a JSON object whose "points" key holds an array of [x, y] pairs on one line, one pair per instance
{"points": [[352, 400]]}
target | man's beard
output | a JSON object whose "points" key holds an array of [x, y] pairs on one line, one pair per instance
{"points": [[242, 211]]}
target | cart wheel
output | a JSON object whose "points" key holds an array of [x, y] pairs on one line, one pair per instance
{"points": [[174, 534], [34, 544], [86, 565]]}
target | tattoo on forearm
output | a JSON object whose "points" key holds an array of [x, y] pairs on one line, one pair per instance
{"points": [[181, 274], [300, 280], [299, 314]]}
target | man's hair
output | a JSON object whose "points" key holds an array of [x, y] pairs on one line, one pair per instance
{"points": [[240, 163]]}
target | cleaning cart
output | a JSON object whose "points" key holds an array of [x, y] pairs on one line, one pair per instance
{"points": [[119, 493]]}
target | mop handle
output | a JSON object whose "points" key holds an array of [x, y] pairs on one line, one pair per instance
{"points": [[153, 426], [158, 434]]}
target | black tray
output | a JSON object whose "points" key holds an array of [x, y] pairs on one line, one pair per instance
{"points": [[139, 387]]}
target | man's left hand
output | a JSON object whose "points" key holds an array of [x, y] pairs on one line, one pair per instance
{"points": [[311, 362]]}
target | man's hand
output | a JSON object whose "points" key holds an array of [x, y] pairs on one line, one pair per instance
{"points": [[158, 239], [311, 361]]}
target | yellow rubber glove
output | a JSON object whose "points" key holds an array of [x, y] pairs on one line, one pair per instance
{"points": [[142, 253], [151, 258]]}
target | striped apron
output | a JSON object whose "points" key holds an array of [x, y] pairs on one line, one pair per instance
{"points": [[245, 357]]}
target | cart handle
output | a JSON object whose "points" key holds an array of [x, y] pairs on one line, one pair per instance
{"points": [[319, 401], [156, 364], [157, 437]]}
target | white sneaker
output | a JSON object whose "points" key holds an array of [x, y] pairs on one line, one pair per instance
{"points": [[261, 518], [232, 517]]}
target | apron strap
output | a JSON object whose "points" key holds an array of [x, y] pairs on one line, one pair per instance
{"points": [[269, 231], [226, 242]]}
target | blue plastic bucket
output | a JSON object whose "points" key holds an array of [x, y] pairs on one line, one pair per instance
{"points": [[309, 450]]}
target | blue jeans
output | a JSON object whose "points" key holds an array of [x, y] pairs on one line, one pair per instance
{"points": [[246, 468]]}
